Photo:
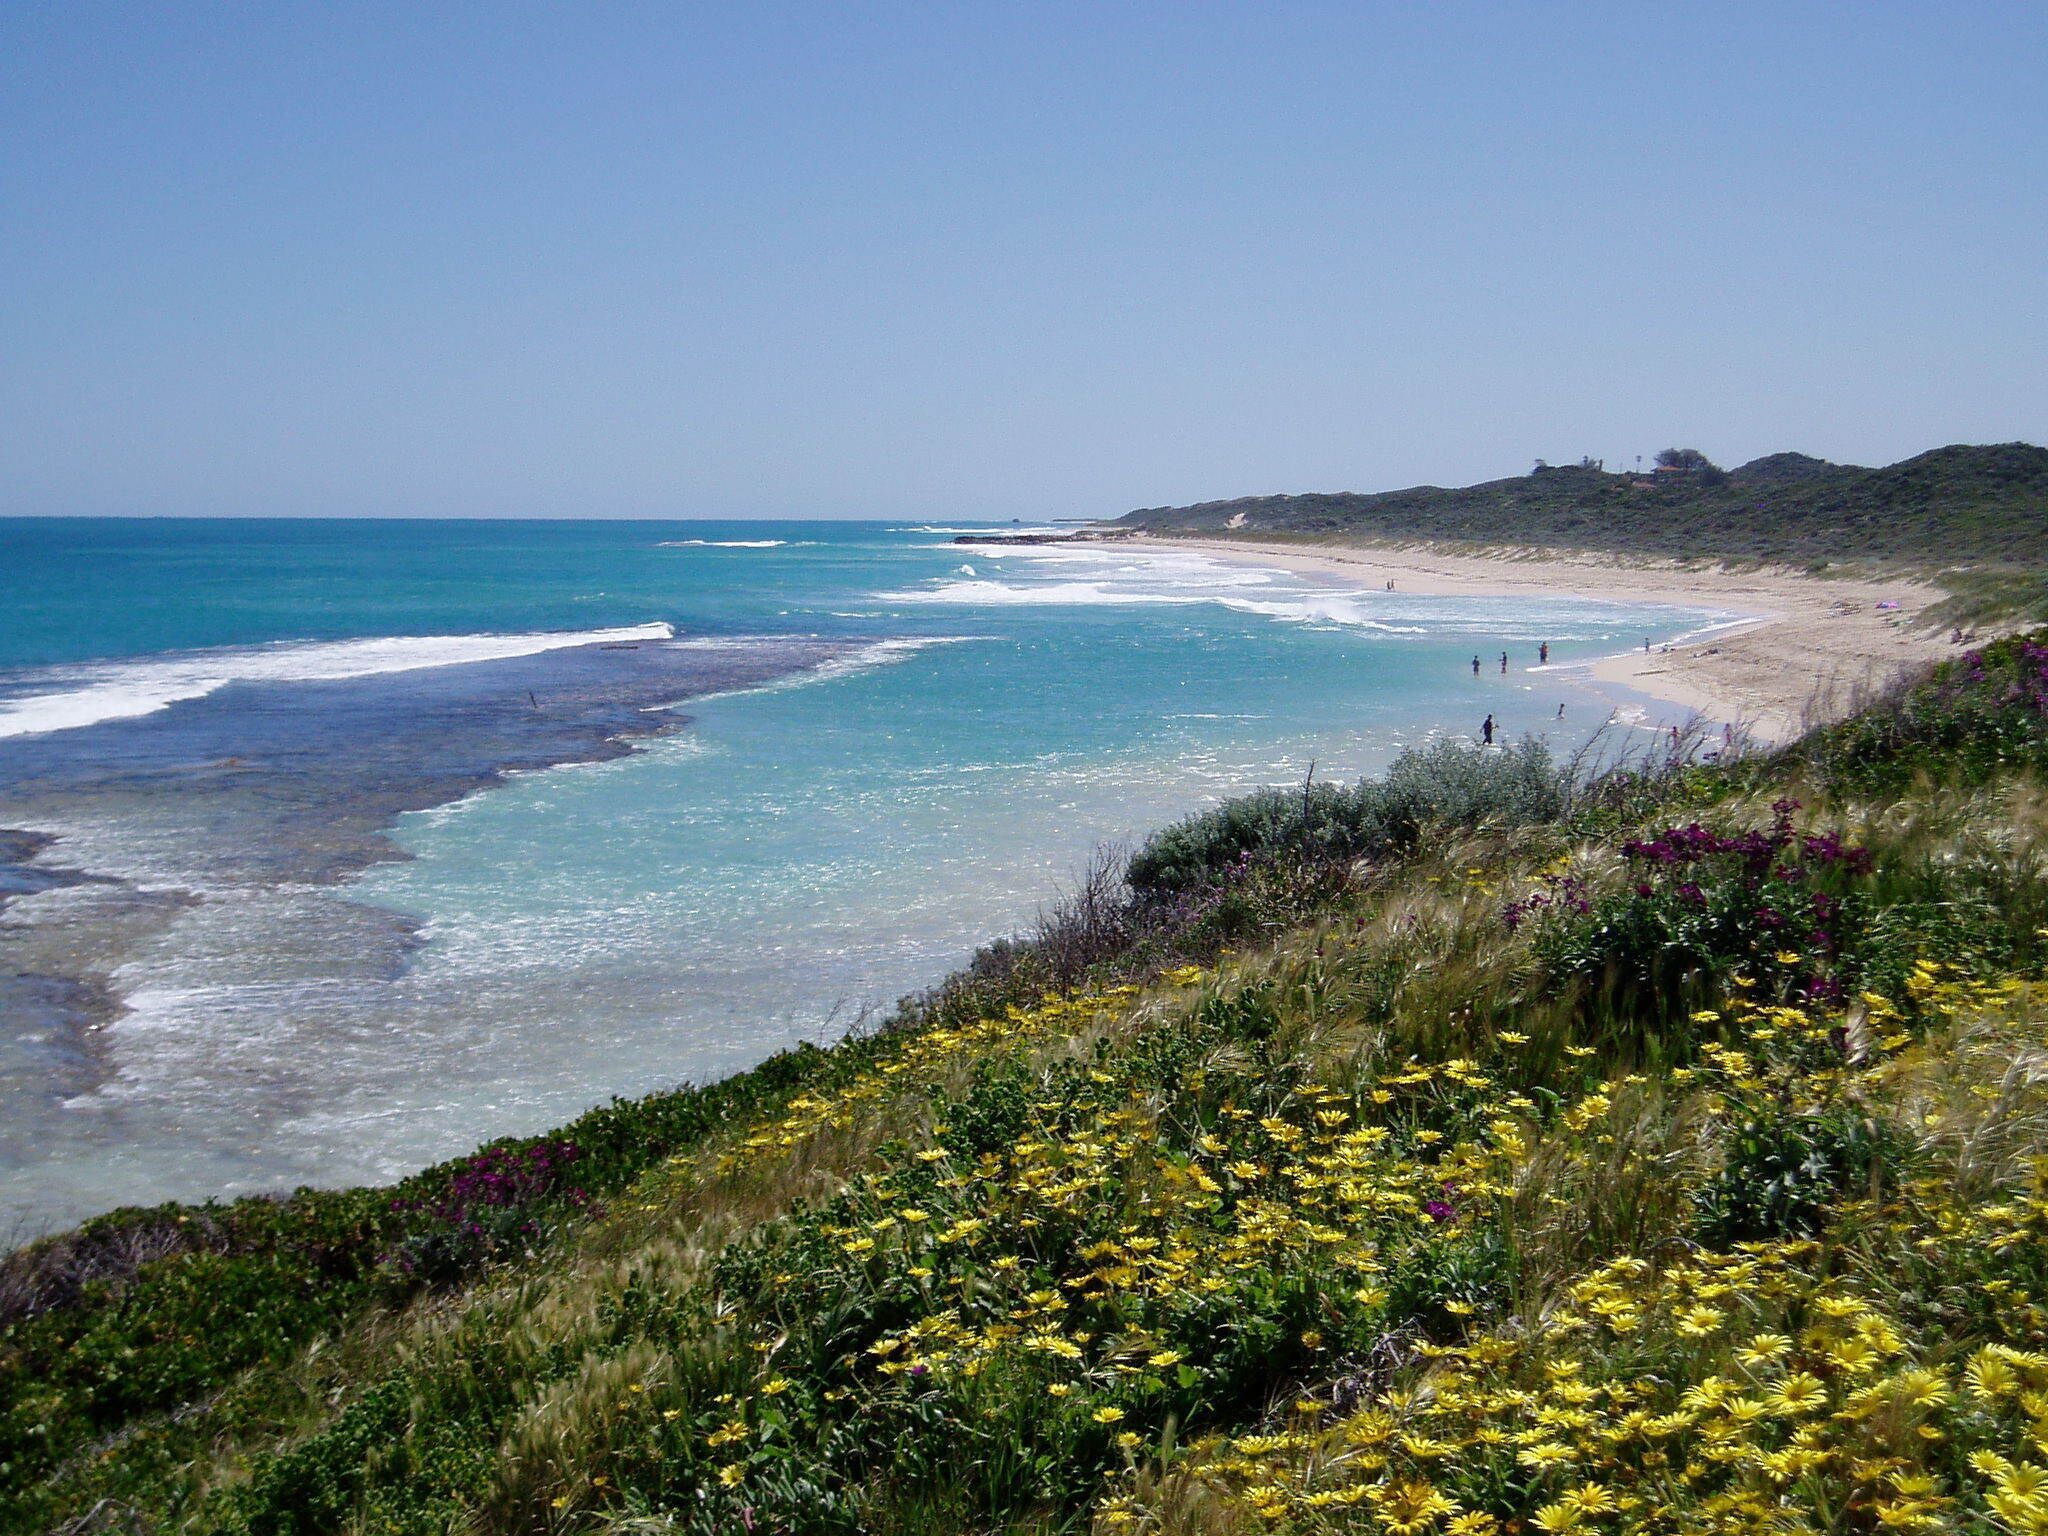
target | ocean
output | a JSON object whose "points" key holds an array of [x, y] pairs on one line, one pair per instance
{"points": [[330, 849]]}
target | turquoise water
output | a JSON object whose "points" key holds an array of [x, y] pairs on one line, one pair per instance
{"points": [[298, 924]]}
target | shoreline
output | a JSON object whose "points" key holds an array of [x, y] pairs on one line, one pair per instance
{"points": [[376, 748], [1796, 651]]}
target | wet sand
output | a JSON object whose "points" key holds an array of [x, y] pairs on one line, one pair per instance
{"points": [[1806, 649]]}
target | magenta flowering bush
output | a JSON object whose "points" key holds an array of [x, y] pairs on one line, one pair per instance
{"points": [[496, 1203], [1981, 714], [1559, 894], [1784, 908]]}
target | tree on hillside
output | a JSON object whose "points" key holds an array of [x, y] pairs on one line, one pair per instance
{"points": [[1693, 462]]}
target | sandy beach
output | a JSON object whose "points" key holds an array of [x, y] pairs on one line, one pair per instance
{"points": [[1806, 648]]}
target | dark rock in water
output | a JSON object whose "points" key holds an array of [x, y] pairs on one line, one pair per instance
{"points": [[220, 813], [20, 875]]}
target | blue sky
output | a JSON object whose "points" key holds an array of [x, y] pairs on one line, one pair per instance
{"points": [[995, 260]]}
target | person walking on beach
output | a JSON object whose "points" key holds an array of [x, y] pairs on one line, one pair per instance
{"points": [[1543, 654], [1486, 732], [1475, 666]]}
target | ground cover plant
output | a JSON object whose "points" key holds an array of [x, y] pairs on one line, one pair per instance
{"points": [[1663, 1153]]}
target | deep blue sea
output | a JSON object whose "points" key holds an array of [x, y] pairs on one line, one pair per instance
{"points": [[328, 849]]}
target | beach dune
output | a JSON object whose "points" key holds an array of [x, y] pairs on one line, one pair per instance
{"points": [[1806, 649]]}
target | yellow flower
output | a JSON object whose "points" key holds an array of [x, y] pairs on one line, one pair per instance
{"points": [[2025, 1483], [1410, 1506], [1764, 1349], [1699, 1322], [1990, 1375], [1799, 1393], [1590, 1499], [1922, 1389], [1108, 1415]]}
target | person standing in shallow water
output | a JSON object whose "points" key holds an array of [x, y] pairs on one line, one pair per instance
{"points": [[1503, 663], [1486, 732], [1475, 666], [1543, 654]]}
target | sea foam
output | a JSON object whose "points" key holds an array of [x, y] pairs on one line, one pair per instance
{"points": [[91, 693], [730, 544]]}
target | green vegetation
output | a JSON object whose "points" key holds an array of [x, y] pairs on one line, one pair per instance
{"points": [[1438, 787], [1485, 1149], [1980, 507]]}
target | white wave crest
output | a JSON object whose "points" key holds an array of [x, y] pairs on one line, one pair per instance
{"points": [[1321, 608], [91, 693], [731, 544], [876, 653], [1001, 594]]}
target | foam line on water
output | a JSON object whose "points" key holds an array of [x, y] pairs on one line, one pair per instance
{"points": [[984, 593], [876, 653], [1689, 637], [1304, 608], [93, 693], [1108, 576]]}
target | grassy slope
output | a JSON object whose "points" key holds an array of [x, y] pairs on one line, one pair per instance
{"points": [[1530, 1177], [1984, 506]]}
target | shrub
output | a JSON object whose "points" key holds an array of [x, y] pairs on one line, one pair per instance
{"points": [[1978, 715], [1783, 1174], [1782, 907], [497, 1204], [1323, 820], [1445, 784]]}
